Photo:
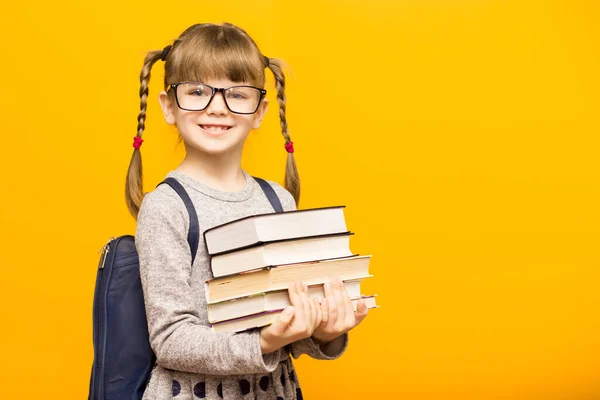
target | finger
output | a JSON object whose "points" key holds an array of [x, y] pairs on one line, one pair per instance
{"points": [[324, 312], [313, 309], [306, 304], [294, 296], [339, 302], [329, 312], [319, 312], [282, 322], [349, 307], [361, 311], [299, 303], [327, 289], [333, 313]]}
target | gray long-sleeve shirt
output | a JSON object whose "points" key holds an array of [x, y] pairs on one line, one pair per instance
{"points": [[192, 361]]}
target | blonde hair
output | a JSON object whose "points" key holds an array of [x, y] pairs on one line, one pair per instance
{"points": [[203, 52]]}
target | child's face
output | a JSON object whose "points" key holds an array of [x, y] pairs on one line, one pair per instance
{"points": [[214, 130]]}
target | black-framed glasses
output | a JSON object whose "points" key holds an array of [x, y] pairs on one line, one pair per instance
{"points": [[196, 96]]}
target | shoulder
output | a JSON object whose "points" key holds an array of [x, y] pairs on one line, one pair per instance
{"points": [[163, 198], [161, 207], [287, 200]]}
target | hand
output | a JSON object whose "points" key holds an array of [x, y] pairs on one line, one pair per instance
{"points": [[338, 315], [296, 322]]}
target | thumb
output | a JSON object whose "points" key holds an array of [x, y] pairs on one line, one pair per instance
{"points": [[283, 321], [361, 311]]}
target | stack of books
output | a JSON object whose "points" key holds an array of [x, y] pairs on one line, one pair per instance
{"points": [[255, 259]]}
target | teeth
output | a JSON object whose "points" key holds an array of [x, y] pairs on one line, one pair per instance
{"points": [[214, 128]]}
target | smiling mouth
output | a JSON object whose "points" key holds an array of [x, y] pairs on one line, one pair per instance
{"points": [[215, 128]]}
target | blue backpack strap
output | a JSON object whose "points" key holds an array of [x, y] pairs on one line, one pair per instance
{"points": [[194, 231], [270, 193]]}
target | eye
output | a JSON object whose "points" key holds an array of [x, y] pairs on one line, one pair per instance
{"points": [[199, 91], [237, 95]]}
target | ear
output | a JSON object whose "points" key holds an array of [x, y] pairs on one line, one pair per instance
{"points": [[168, 107], [260, 113]]}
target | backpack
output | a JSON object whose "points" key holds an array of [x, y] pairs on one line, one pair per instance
{"points": [[123, 358]]}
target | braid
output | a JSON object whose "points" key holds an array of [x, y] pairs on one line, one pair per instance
{"points": [[292, 179], [134, 192]]}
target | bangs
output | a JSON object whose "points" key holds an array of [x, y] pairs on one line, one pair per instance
{"points": [[218, 53]]}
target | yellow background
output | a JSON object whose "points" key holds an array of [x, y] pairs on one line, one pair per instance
{"points": [[461, 135]]}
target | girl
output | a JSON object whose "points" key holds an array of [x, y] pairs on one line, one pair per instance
{"points": [[214, 79]]}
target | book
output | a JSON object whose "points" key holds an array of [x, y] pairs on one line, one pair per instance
{"points": [[263, 228], [264, 302], [281, 252], [267, 318], [280, 277]]}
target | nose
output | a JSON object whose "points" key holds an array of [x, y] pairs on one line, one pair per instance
{"points": [[217, 106]]}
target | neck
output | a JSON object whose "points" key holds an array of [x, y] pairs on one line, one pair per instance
{"points": [[221, 171]]}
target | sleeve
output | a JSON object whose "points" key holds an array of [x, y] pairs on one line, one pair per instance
{"points": [[336, 347], [179, 339], [329, 351]]}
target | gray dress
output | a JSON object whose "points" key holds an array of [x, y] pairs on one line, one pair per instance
{"points": [[192, 361]]}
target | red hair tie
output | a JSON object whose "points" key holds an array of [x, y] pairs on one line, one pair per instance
{"points": [[137, 142], [289, 147]]}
